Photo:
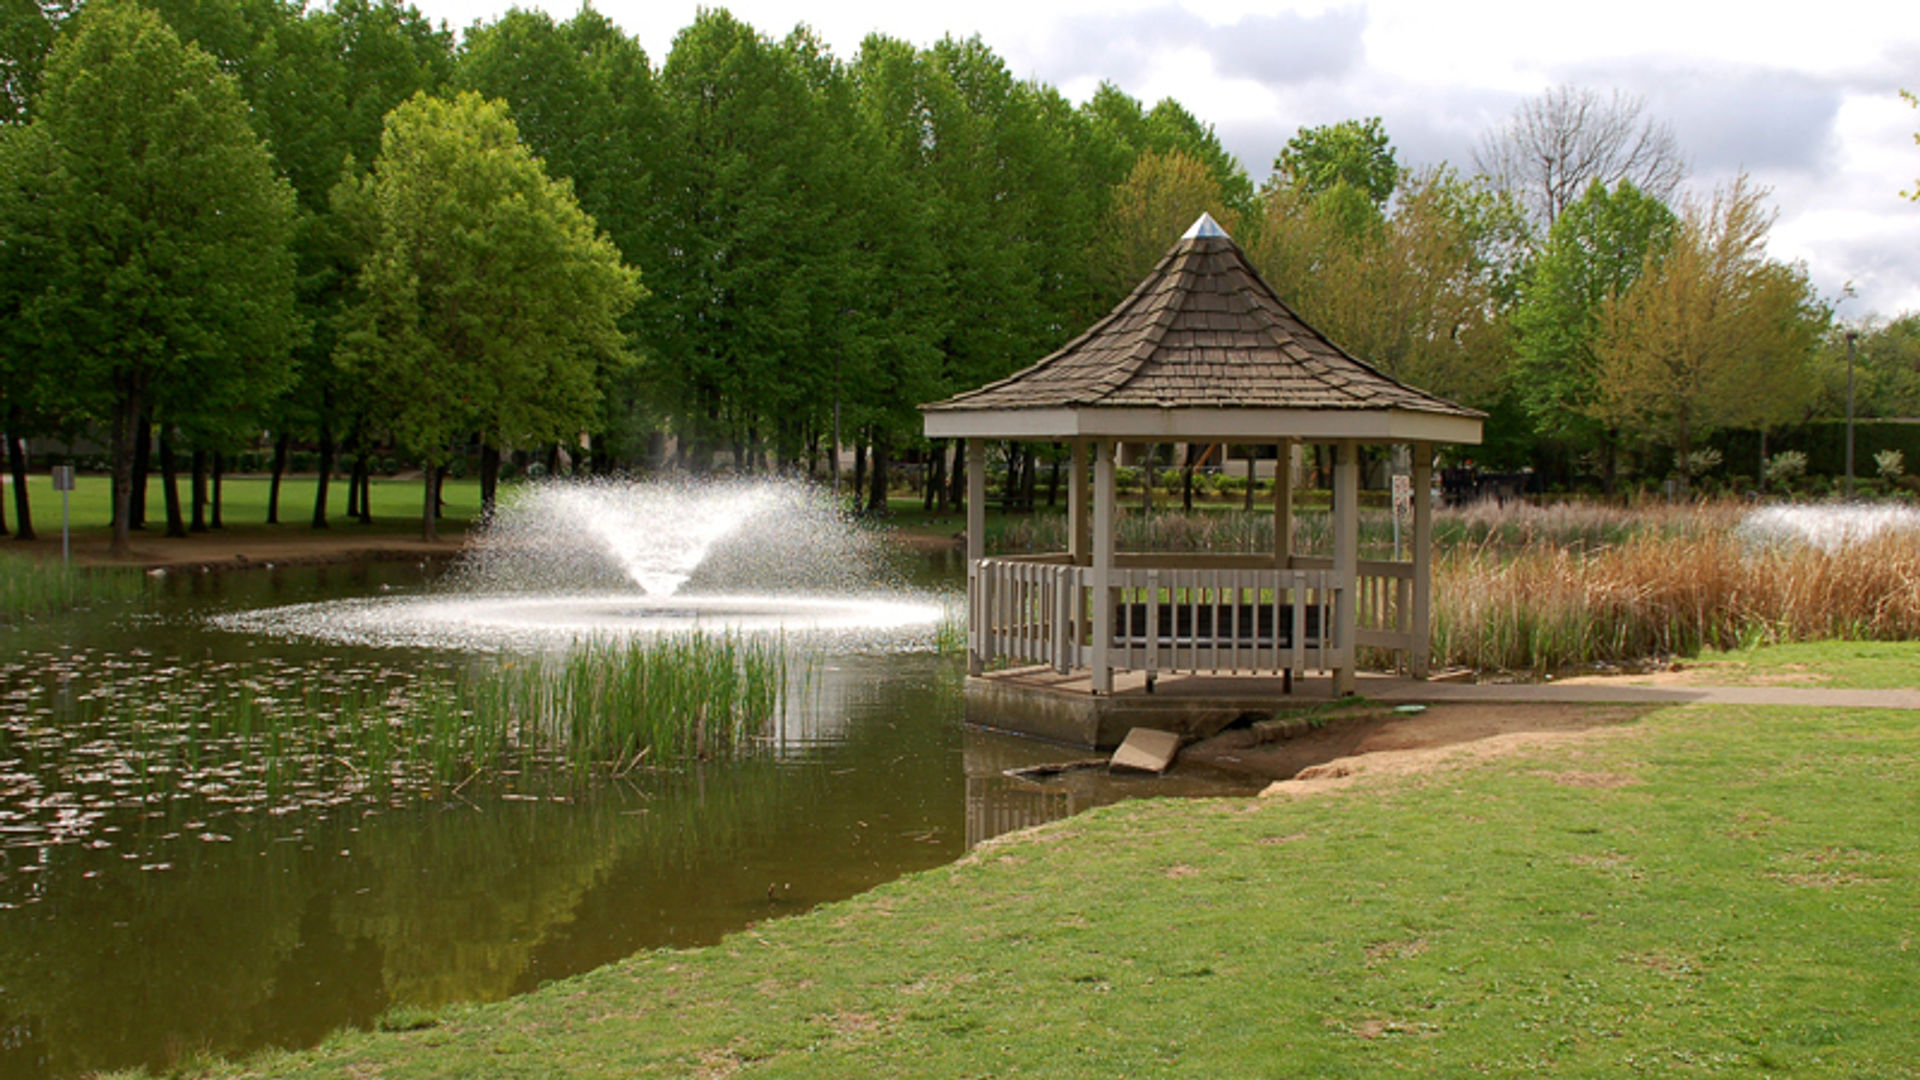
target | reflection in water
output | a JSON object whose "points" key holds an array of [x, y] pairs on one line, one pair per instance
{"points": [[176, 924]]}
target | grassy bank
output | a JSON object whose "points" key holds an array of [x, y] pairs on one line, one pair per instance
{"points": [[1704, 891], [244, 502]]}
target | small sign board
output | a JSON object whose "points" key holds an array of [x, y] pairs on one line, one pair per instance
{"points": [[1403, 494], [63, 478]]}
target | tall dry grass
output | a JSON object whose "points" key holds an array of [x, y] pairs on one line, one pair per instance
{"points": [[1544, 606]]}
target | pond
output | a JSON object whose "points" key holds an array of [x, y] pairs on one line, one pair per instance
{"points": [[164, 895]]}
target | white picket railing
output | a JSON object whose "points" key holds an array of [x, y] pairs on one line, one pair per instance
{"points": [[1182, 613]]}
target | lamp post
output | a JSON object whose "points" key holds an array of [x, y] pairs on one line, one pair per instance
{"points": [[1851, 335]]}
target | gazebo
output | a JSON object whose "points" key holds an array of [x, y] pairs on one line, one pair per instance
{"points": [[1202, 351]]}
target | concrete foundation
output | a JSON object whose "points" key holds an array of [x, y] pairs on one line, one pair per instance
{"points": [[1041, 702]]}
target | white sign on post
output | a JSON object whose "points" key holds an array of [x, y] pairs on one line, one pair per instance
{"points": [[1402, 505]]}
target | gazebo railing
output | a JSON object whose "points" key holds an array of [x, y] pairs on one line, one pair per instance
{"points": [[1212, 614]]}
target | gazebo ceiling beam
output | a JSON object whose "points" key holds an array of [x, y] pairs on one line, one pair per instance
{"points": [[1230, 425]]}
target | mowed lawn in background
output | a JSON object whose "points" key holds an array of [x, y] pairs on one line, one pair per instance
{"points": [[1701, 891], [396, 502]]}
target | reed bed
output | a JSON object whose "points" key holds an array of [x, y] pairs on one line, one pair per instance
{"points": [[39, 586], [1548, 607], [1521, 587], [273, 740]]}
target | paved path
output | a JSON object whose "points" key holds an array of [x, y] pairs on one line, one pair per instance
{"points": [[1398, 690]]}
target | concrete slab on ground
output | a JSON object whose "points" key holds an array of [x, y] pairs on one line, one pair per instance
{"points": [[1146, 750]]}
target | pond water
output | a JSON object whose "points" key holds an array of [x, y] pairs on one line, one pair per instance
{"points": [[164, 895]]}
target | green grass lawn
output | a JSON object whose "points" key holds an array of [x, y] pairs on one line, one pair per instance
{"points": [[1862, 665], [244, 502], [1706, 891]]}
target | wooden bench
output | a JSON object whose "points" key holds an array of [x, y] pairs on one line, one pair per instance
{"points": [[1193, 625]]}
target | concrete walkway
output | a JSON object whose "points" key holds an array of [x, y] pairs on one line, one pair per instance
{"points": [[1405, 691]]}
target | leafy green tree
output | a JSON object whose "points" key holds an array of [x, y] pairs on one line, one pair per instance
{"points": [[1422, 296], [164, 231], [1126, 130], [487, 301], [1712, 334], [1160, 198], [583, 97], [27, 30], [1595, 251], [1886, 368], [1354, 154]]}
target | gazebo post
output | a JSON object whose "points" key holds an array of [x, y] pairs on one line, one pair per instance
{"points": [[1103, 509], [1283, 505], [1078, 548], [1419, 665], [1346, 560], [977, 627]]}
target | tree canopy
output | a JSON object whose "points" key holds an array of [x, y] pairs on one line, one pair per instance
{"points": [[487, 301], [1712, 333], [157, 229]]}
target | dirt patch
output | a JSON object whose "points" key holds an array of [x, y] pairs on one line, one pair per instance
{"points": [[1712, 674], [1445, 736], [249, 546]]}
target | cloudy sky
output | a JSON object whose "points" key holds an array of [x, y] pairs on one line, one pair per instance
{"points": [[1807, 103]]}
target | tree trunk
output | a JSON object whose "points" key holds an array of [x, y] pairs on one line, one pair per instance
{"points": [[1029, 478], [439, 493], [956, 496], [142, 465], [170, 485], [126, 423], [197, 487], [489, 478], [280, 447], [430, 506], [859, 467], [1053, 479], [936, 496], [1682, 452], [1186, 482], [877, 495], [353, 489], [17, 464], [219, 473], [326, 473], [366, 495]]}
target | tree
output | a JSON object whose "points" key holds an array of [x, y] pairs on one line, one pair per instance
{"points": [[1594, 252], [1711, 334], [1160, 198], [1556, 145], [1355, 154], [487, 301], [1421, 296], [162, 226]]}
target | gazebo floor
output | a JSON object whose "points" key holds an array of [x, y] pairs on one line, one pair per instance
{"points": [[1044, 703]]}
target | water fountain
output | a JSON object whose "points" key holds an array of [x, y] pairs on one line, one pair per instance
{"points": [[563, 560], [1827, 526]]}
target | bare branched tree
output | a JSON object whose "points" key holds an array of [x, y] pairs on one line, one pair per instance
{"points": [[1559, 143]]}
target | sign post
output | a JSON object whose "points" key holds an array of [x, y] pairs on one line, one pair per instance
{"points": [[63, 483], [1402, 504]]}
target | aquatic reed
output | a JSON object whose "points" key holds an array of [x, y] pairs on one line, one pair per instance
{"points": [[40, 586], [1546, 607]]}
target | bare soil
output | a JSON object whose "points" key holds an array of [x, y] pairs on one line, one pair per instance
{"points": [[1384, 744]]}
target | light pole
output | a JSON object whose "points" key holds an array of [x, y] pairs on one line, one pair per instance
{"points": [[1851, 335]]}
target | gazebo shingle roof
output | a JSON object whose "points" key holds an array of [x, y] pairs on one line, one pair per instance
{"points": [[1202, 331]]}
